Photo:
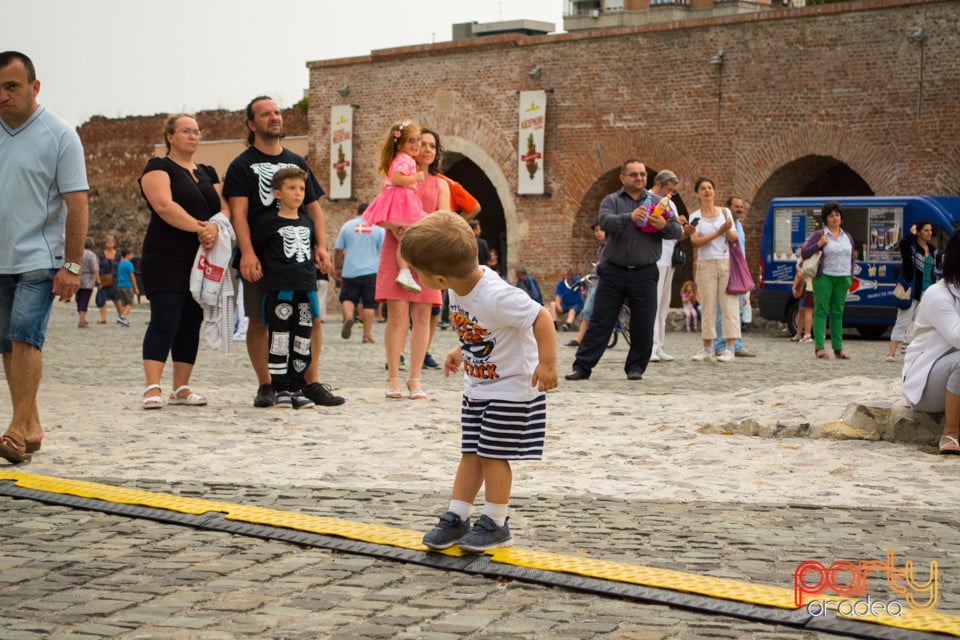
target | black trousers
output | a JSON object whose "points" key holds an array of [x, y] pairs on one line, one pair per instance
{"points": [[174, 328], [290, 320], [638, 288]]}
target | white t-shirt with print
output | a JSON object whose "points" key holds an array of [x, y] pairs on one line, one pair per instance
{"points": [[495, 325], [717, 248]]}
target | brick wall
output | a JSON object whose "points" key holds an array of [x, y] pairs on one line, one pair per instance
{"points": [[818, 97]]}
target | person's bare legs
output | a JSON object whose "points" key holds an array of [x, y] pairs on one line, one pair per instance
{"points": [[367, 316], [806, 322], [181, 377], [257, 337], [152, 372], [583, 330], [312, 374], [893, 348], [497, 480], [103, 314], [469, 478], [951, 416], [434, 322], [23, 367], [394, 337], [347, 309], [419, 337]]}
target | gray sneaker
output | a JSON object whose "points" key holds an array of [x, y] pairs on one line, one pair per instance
{"points": [[447, 532], [283, 400], [299, 401], [486, 535]]}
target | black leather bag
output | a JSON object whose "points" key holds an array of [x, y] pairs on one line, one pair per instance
{"points": [[679, 257]]}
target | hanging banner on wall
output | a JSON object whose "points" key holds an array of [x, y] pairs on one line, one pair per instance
{"points": [[341, 152], [533, 113]]}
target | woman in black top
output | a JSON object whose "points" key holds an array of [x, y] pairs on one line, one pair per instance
{"points": [[182, 196]]}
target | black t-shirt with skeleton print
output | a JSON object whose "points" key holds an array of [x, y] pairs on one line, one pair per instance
{"points": [[286, 247]]}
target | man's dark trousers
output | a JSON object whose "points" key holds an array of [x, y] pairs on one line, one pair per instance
{"points": [[638, 286]]}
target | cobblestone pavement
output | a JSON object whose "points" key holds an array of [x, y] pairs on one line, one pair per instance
{"points": [[70, 573]]}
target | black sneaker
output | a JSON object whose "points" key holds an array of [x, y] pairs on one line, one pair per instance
{"points": [[486, 535], [447, 532], [283, 400], [429, 362], [322, 395], [299, 401], [265, 396]]}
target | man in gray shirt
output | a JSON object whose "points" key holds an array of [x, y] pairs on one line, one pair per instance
{"points": [[628, 272]]}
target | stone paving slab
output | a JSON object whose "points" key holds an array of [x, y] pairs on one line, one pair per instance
{"points": [[212, 583], [649, 474]]}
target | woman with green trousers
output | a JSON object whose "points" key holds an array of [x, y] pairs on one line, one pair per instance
{"points": [[834, 275]]}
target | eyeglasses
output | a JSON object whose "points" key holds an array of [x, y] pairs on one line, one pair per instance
{"points": [[635, 174], [191, 132]]}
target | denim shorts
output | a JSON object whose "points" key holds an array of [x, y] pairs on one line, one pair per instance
{"points": [[25, 303], [588, 303]]}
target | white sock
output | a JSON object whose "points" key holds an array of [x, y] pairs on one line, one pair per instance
{"points": [[461, 508], [496, 512]]}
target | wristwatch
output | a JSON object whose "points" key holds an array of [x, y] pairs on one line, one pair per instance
{"points": [[72, 267]]}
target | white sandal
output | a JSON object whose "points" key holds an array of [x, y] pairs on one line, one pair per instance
{"points": [[152, 402], [192, 399], [949, 445]]}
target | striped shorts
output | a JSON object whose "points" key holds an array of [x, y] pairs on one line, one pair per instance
{"points": [[504, 429]]}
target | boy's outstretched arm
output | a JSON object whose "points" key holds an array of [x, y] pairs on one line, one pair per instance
{"points": [[452, 362], [545, 375]]}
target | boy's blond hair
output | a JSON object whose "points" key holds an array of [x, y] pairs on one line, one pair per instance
{"points": [[442, 244]]}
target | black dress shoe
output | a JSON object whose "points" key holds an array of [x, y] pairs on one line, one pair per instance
{"points": [[634, 375], [576, 374]]}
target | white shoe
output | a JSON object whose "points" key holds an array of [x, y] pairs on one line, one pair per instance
{"points": [[405, 280], [663, 355], [703, 356], [725, 356], [654, 357]]}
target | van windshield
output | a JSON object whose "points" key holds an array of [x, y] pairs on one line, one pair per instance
{"points": [[876, 231]]}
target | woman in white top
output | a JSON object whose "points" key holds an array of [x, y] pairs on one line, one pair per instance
{"points": [[834, 275], [713, 231], [931, 368]]}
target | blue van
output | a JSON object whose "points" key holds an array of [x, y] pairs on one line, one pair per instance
{"points": [[876, 223]]}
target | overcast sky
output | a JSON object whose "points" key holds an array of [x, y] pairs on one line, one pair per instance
{"points": [[141, 57]]}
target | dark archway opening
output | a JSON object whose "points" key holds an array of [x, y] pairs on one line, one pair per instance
{"points": [[493, 225], [806, 177]]}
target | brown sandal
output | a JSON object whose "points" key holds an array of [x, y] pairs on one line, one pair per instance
{"points": [[822, 354], [13, 449], [841, 354]]}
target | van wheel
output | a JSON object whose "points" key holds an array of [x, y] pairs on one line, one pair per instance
{"points": [[871, 331], [793, 310]]}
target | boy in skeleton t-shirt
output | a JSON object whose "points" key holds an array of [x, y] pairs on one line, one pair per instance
{"points": [[290, 303]]}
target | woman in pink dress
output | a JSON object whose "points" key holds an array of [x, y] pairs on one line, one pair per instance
{"points": [[405, 308]]}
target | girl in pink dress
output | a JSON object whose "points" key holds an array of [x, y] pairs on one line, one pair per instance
{"points": [[397, 207]]}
